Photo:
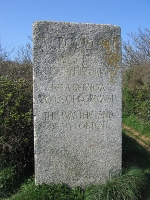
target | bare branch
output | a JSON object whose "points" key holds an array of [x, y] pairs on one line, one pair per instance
{"points": [[137, 51]]}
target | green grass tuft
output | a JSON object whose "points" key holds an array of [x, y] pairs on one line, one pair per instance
{"points": [[29, 191], [126, 187]]}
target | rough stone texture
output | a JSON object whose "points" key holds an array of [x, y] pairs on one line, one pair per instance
{"points": [[77, 102]]}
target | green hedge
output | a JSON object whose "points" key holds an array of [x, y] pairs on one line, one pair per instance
{"points": [[16, 124], [136, 95]]}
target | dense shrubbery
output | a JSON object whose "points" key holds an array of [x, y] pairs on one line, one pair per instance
{"points": [[16, 124], [16, 127], [136, 80], [136, 94]]}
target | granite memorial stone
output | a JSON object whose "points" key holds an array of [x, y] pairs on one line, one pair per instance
{"points": [[77, 102]]}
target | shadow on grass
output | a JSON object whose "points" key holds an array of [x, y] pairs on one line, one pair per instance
{"points": [[11, 179], [133, 154]]}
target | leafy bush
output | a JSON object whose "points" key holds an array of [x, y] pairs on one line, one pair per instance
{"points": [[15, 71], [16, 126], [6, 181], [128, 101], [142, 102], [136, 93], [136, 80]]}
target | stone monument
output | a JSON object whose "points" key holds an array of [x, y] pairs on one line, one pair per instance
{"points": [[77, 102]]}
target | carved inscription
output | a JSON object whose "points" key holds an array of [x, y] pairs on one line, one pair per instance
{"points": [[74, 71], [73, 115], [74, 126], [72, 42], [85, 87], [76, 120], [68, 92], [79, 98]]}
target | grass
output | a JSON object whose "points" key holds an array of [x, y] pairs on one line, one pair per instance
{"points": [[29, 191], [133, 184], [138, 137], [127, 186], [137, 125], [133, 154]]}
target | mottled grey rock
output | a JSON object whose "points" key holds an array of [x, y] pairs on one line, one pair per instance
{"points": [[77, 102]]}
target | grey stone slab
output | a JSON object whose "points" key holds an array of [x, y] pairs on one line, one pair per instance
{"points": [[77, 102]]}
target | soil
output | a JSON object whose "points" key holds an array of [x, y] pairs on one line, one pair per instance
{"points": [[134, 134]]}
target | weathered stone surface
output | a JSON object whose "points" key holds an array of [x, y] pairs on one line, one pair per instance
{"points": [[77, 102]]}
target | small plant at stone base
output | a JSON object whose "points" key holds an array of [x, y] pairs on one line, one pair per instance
{"points": [[128, 186], [30, 191], [6, 181]]}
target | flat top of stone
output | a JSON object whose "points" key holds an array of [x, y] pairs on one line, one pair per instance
{"points": [[74, 23]]}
